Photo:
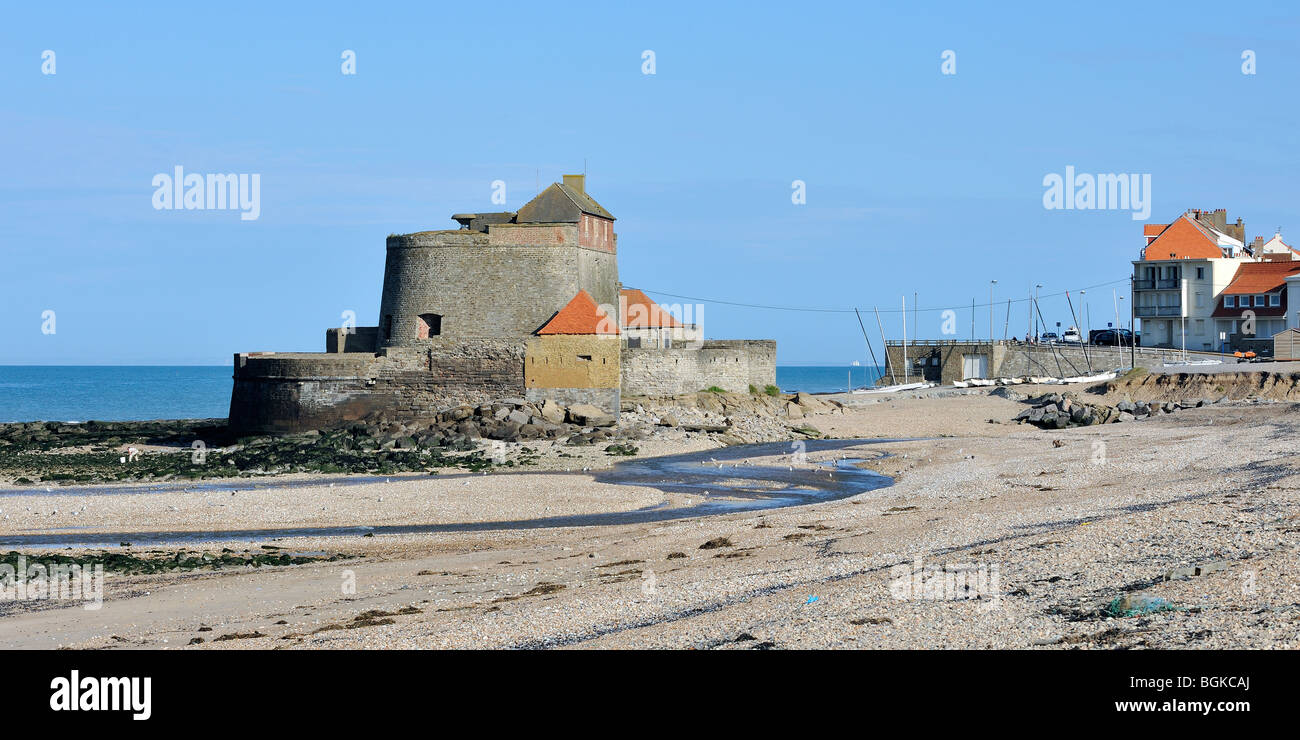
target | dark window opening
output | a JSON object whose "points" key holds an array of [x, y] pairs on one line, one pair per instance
{"points": [[388, 326], [430, 325], [584, 358]]}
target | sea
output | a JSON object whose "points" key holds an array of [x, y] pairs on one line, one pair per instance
{"points": [[136, 393]]}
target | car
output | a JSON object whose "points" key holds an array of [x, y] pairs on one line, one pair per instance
{"points": [[1111, 337], [1071, 336], [1049, 337]]}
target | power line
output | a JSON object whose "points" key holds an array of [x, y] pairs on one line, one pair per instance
{"points": [[850, 310]]}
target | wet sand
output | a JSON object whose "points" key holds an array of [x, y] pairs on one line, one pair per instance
{"points": [[1069, 520]]}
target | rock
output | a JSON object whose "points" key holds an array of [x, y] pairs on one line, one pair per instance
{"points": [[518, 417], [668, 420], [1125, 406], [794, 410], [507, 431], [1192, 571], [551, 411], [469, 429], [588, 415], [1125, 416]]}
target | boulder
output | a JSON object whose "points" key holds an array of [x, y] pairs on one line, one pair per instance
{"points": [[551, 411], [588, 415], [518, 417]]}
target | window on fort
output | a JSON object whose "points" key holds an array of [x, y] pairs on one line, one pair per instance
{"points": [[388, 325], [634, 342], [430, 325], [584, 358]]}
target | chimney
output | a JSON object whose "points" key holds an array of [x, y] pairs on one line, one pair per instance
{"points": [[577, 182]]}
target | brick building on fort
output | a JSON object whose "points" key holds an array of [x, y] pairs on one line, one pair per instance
{"points": [[524, 304]]}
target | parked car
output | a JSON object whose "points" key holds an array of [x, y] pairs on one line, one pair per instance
{"points": [[1071, 336], [1049, 337], [1112, 337]]}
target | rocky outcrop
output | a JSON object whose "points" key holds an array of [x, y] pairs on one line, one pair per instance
{"points": [[1061, 410]]}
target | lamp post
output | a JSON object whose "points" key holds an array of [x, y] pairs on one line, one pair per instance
{"points": [[991, 284], [1037, 317]]}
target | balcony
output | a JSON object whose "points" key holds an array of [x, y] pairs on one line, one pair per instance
{"points": [[1148, 312], [1172, 284]]}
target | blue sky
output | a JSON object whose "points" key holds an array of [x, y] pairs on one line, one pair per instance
{"points": [[916, 181]]}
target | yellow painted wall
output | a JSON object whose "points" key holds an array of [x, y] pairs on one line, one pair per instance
{"points": [[553, 362]]}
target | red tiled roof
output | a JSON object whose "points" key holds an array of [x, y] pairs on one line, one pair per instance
{"points": [[1153, 229], [1261, 277], [639, 312], [1184, 239], [580, 316]]}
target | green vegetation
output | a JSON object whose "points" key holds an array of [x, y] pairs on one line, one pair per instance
{"points": [[772, 390], [714, 389], [91, 453], [159, 561], [1135, 373]]}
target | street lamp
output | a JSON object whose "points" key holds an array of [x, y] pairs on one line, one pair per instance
{"points": [[1037, 313], [991, 284], [1087, 316]]}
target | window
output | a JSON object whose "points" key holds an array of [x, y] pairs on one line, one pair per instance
{"points": [[634, 342], [1259, 301], [1228, 301], [584, 358], [1200, 326], [1275, 299], [388, 325], [1200, 273], [1200, 300], [428, 325]]}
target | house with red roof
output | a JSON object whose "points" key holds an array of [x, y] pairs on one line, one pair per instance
{"points": [[649, 325], [1184, 268], [1254, 305]]}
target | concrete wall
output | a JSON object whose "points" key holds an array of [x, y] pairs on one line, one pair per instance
{"points": [[732, 365], [506, 283], [943, 362]]}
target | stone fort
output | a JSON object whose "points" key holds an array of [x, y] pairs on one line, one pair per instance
{"points": [[524, 304]]}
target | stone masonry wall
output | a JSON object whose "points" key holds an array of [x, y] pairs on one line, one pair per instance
{"points": [[732, 365], [482, 287], [298, 392]]}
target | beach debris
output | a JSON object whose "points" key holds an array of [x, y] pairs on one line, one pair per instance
{"points": [[715, 543], [811, 599], [1132, 605]]}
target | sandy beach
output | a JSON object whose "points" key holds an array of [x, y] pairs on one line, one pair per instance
{"points": [[1058, 524]]}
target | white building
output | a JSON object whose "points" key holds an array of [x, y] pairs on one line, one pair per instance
{"points": [[1184, 267]]}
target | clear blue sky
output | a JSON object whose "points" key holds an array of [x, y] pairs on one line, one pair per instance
{"points": [[916, 181]]}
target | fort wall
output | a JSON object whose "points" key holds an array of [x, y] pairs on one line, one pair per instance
{"points": [[480, 285], [732, 365]]}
